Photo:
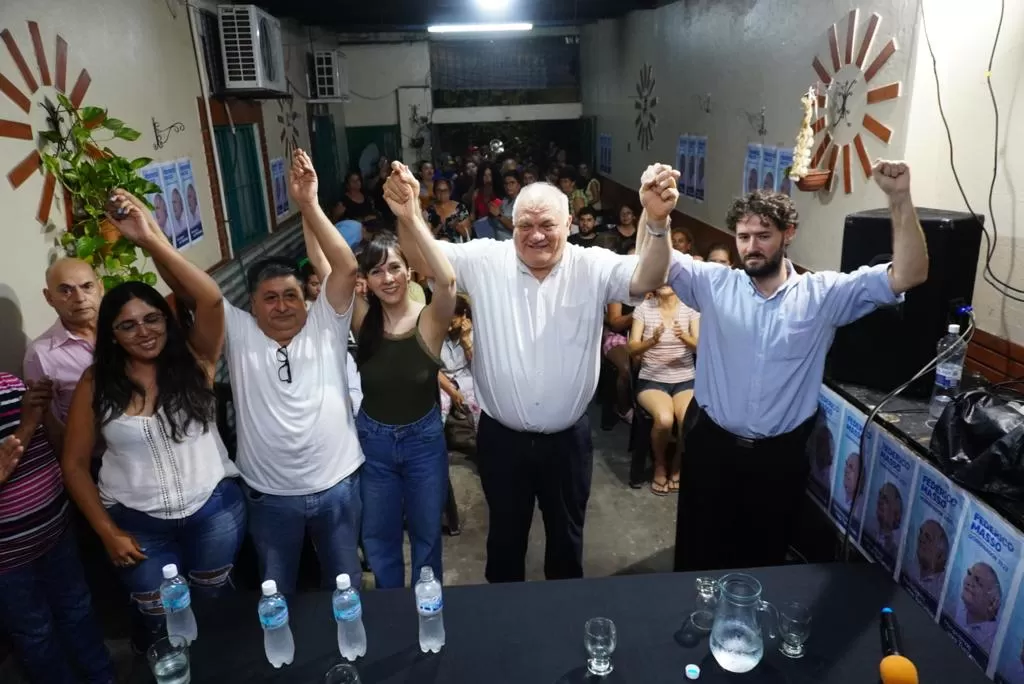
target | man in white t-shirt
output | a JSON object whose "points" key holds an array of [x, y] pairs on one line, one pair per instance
{"points": [[298, 451]]}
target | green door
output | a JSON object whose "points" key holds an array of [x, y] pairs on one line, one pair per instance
{"points": [[243, 185], [325, 159]]}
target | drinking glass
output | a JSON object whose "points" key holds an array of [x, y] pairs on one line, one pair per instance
{"points": [[342, 673], [599, 640], [703, 615], [168, 659], [794, 627]]}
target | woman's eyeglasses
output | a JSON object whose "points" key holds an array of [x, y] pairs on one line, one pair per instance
{"points": [[153, 322], [284, 371]]}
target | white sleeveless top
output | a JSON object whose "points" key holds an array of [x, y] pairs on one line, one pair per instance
{"points": [[144, 469]]}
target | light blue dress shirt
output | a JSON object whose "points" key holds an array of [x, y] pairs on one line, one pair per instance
{"points": [[760, 360]]}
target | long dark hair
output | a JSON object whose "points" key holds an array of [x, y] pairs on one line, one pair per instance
{"points": [[372, 330], [497, 189], [184, 395]]}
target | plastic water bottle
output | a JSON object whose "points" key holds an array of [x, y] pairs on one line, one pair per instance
{"points": [[348, 613], [277, 635], [429, 605], [177, 602], [948, 371]]}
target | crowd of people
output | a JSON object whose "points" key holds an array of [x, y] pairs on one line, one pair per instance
{"points": [[347, 367]]}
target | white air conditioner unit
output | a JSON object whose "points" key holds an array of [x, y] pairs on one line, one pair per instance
{"points": [[253, 54], [329, 76]]}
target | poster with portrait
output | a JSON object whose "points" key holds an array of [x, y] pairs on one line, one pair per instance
{"points": [[280, 187], [979, 586], [691, 167], [177, 222], [682, 155], [824, 445], [194, 219], [604, 154], [152, 173], [782, 179], [752, 169], [936, 512], [769, 161], [888, 509], [852, 472], [1008, 666], [702, 155]]}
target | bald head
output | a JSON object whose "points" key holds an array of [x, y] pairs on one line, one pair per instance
{"points": [[74, 292], [541, 220], [538, 197]]}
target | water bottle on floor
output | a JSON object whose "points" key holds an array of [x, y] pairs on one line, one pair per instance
{"points": [[348, 612], [948, 371], [177, 603], [429, 604], [277, 635]]}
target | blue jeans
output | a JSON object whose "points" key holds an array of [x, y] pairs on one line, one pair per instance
{"points": [[278, 525], [203, 546], [46, 608], [405, 476]]}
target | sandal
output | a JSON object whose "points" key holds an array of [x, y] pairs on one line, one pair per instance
{"points": [[673, 485], [659, 488]]}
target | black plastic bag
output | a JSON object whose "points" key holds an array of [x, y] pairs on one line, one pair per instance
{"points": [[979, 442]]}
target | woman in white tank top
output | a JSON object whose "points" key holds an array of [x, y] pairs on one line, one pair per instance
{"points": [[167, 491]]}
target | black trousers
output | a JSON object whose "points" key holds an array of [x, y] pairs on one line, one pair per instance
{"points": [[739, 499], [519, 468]]}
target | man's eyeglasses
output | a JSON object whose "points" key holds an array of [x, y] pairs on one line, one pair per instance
{"points": [[153, 322], [284, 371]]}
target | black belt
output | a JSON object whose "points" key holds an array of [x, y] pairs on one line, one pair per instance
{"points": [[702, 419]]}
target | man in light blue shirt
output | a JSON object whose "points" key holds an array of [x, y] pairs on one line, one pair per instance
{"points": [[765, 331]]}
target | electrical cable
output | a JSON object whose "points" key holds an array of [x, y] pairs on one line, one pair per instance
{"points": [[990, 241], [964, 339]]}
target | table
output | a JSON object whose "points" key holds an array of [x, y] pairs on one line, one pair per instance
{"points": [[532, 633]]}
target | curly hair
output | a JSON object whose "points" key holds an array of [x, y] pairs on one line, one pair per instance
{"points": [[772, 207]]}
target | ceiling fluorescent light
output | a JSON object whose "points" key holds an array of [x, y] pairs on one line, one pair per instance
{"points": [[478, 28]]}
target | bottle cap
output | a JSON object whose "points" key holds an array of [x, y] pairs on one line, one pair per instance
{"points": [[954, 328], [343, 581], [170, 570], [426, 573], [269, 588], [692, 671]]}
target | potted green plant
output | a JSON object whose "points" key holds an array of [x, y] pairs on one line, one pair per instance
{"points": [[74, 152]]}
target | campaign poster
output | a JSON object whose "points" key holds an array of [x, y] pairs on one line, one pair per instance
{"points": [[280, 187], [852, 472], [824, 445], [782, 179], [769, 160], [702, 155], [177, 222], [1008, 666], [978, 588], [691, 167], [160, 211], [682, 155], [937, 508], [604, 154], [888, 509], [188, 186], [752, 169]]}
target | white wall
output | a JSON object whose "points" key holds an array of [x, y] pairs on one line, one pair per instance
{"points": [[760, 55], [140, 58], [376, 72]]}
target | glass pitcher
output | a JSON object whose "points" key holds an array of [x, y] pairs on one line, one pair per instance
{"points": [[736, 641]]}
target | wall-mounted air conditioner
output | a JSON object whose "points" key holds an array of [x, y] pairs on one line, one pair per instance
{"points": [[250, 42], [328, 73]]}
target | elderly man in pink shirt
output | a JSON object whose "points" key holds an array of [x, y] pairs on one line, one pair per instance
{"points": [[63, 352]]}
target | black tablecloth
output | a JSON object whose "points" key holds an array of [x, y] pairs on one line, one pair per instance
{"points": [[532, 633]]}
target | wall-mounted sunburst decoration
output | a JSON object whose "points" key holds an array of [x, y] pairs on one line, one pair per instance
{"points": [[48, 84], [288, 118], [646, 101], [849, 95]]}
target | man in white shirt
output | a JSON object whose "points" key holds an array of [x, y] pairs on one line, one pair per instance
{"points": [[978, 610], [929, 572], [297, 446], [538, 308]]}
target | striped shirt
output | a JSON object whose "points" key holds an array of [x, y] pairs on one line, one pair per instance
{"points": [[670, 360], [33, 506]]}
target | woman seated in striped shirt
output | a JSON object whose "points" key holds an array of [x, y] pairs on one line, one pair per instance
{"points": [[665, 385]]}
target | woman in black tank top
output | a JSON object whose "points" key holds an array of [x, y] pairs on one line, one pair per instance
{"points": [[405, 476]]}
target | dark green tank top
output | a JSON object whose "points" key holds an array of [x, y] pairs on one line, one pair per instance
{"points": [[400, 380]]}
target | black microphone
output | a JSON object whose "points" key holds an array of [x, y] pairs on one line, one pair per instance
{"points": [[892, 640]]}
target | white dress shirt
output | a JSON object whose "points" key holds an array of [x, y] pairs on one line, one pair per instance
{"points": [[981, 633], [536, 354]]}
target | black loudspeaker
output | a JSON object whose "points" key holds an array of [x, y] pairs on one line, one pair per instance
{"points": [[887, 347]]}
